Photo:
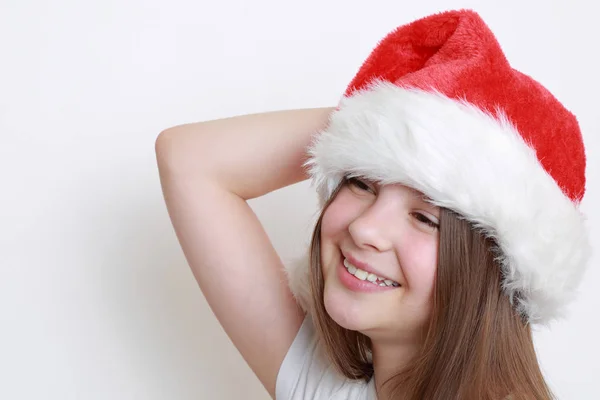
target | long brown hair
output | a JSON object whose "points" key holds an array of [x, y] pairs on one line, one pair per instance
{"points": [[476, 345]]}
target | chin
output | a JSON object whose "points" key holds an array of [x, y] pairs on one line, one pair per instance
{"points": [[348, 312]]}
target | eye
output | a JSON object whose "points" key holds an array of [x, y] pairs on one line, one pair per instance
{"points": [[422, 218], [353, 181]]}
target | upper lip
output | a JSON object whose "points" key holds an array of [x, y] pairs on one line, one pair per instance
{"points": [[364, 266]]}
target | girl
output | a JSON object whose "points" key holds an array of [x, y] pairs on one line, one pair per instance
{"points": [[449, 186]]}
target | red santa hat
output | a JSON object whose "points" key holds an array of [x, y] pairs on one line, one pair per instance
{"points": [[437, 107]]}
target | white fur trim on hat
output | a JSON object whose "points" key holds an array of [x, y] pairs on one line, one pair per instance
{"points": [[470, 162]]}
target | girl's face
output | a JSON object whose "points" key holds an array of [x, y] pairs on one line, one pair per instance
{"points": [[394, 231]]}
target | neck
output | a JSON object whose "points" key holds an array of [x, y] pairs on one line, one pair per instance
{"points": [[389, 359]]}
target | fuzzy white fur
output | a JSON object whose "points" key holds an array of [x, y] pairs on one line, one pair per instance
{"points": [[468, 161]]}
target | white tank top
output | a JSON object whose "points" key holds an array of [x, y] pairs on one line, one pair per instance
{"points": [[306, 374]]}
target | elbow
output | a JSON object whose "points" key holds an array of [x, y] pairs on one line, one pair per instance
{"points": [[180, 150], [163, 147]]}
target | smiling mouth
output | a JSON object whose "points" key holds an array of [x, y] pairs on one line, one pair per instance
{"points": [[368, 277]]}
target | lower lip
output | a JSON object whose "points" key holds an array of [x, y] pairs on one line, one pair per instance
{"points": [[356, 285]]}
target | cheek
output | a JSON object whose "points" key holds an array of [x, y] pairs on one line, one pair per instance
{"points": [[336, 218], [420, 266], [334, 225], [331, 226]]}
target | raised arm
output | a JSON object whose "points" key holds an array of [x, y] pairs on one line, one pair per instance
{"points": [[207, 171]]}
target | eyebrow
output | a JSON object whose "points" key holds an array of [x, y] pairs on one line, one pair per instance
{"points": [[425, 199], [418, 195]]}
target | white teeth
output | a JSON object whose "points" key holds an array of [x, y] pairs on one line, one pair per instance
{"points": [[360, 274], [364, 275]]}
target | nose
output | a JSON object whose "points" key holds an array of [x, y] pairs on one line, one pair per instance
{"points": [[374, 227]]}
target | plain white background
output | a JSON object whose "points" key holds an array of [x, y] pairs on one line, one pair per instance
{"points": [[96, 299]]}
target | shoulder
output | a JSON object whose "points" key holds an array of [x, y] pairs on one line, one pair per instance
{"points": [[306, 373]]}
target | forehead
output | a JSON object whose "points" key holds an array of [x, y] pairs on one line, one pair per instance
{"points": [[406, 189], [413, 192]]}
